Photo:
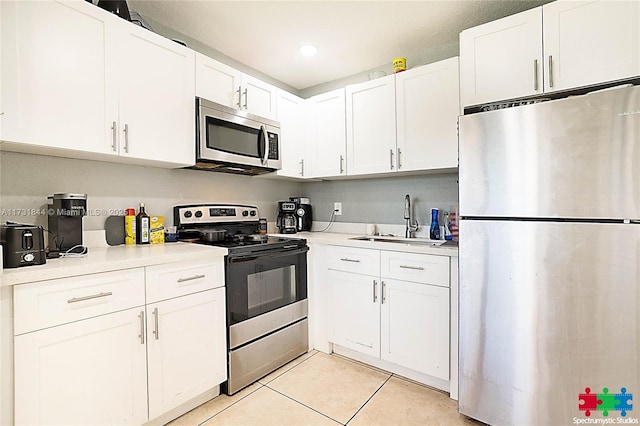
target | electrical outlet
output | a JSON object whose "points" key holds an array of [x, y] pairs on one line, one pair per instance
{"points": [[337, 207]]}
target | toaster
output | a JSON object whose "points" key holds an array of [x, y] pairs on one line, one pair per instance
{"points": [[23, 245]]}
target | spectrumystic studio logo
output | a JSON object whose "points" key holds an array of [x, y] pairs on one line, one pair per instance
{"points": [[605, 402]]}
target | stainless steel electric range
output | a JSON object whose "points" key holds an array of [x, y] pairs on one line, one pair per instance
{"points": [[266, 288]]}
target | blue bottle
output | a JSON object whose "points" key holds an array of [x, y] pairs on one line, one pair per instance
{"points": [[434, 229]]}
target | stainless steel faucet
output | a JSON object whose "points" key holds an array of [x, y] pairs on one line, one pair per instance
{"points": [[411, 227]]}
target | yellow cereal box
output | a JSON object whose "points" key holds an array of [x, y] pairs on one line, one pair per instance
{"points": [[156, 227]]}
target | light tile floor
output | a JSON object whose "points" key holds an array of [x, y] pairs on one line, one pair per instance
{"points": [[320, 389]]}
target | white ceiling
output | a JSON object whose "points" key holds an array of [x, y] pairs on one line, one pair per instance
{"points": [[352, 36]]}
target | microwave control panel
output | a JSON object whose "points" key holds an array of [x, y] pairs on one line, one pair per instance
{"points": [[273, 146]]}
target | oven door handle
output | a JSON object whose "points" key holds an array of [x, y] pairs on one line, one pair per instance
{"points": [[279, 253]]}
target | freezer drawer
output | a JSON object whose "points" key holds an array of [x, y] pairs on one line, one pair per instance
{"points": [[546, 310], [576, 157]]}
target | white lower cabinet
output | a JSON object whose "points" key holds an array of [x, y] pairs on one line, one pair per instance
{"points": [[355, 312], [391, 305], [88, 350], [186, 350], [85, 372], [415, 326]]}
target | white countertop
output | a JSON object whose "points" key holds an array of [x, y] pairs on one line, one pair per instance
{"points": [[340, 239], [104, 259]]}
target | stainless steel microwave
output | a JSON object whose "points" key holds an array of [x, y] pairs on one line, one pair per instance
{"points": [[233, 141]]}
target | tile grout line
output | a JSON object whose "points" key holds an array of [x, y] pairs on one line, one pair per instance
{"points": [[286, 371], [367, 401], [232, 404], [303, 404], [261, 386]]}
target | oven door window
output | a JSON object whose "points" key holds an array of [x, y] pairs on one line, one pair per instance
{"points": [[262, 284], [232, 138]]}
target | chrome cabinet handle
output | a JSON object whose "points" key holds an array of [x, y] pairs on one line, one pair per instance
{"points": [[416, 268], [126, 138], [375, 283], [93, 296], [535, 75], [195, 277], [114, 136], [155, 320], [302, 167], [346, 259], [391, 157], [384, 298], [341, 164], [239, 97], [399, 159], [141, 335], [550, 71], [246, 98]]}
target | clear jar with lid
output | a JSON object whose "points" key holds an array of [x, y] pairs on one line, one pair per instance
{"points": [[262, 225]]}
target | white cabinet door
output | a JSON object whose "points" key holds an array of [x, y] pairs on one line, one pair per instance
{"points": [[217, 82], [59, 89], [293, 132], [427, 110], [415, 326], [355, 311], [502, 59], [86, 372], [186, 339], [588, 42], [327, 148], [258, 97], [157, 95], [371, 126]]}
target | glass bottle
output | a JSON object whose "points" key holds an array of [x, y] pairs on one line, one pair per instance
{"points": [[142, 226]]}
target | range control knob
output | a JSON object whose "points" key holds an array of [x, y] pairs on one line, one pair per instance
{"points": [[28, 257], [188, 214], [198, 213], [253, 213], [245, 213]]}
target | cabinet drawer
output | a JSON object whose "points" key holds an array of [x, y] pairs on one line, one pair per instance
{"points": [[356, 260], [179, 279], [419, 268], [53, 302]]}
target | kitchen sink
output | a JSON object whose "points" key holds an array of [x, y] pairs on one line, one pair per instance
{"points": [[410, 241]]}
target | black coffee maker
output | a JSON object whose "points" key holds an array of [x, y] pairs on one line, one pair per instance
{"points": [[287, 220], [65, 213], [304, 213]]}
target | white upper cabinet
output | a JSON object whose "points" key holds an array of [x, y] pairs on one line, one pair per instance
{"points": [[225, 85], [81, 82], [371, 126], [327, 148], [157, 87], [59, 85], [502, 59], [589, 42], [258, 97], [427, 110], [292, 118], [216, 81], [559, 46]]}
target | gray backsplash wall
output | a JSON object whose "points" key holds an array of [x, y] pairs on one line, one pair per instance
{"points": [[381, 200], [26, 180]]}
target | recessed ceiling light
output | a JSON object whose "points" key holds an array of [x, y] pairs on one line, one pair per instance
{"points": [[308, 50]]}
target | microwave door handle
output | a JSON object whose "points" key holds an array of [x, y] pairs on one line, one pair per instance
{"points": [[262, 145]]}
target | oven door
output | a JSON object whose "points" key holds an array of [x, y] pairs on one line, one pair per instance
{"points": [[229, 136], [257, 284]]}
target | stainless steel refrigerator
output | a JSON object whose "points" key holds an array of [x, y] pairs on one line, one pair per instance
{"points": [[549, 261]]}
